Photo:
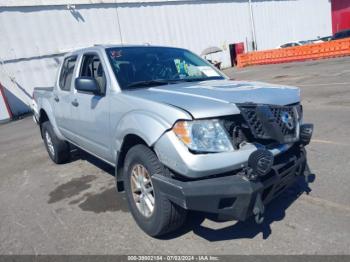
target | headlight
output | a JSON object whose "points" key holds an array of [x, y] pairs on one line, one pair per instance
{"points": [[203, 135]]}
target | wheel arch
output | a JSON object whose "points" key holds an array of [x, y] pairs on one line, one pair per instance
{"points": [[46, 114], [43, 117], [129, 141]]}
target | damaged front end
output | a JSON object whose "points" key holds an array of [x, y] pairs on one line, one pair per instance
{"points": [[267, 157]]}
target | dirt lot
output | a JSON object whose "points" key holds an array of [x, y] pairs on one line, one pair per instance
{"points": [[74, 209]]}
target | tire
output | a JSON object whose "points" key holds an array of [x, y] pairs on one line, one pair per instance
{"points": [[58, 150], [166, 216]]}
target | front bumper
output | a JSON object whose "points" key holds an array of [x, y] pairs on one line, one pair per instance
{"points": [[234, 196], [176, 156]]}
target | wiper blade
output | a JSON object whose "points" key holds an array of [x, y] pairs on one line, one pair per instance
{"points": [[150, 83], [193, 79], [201, 79]]}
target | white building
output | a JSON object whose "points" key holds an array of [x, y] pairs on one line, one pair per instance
{"points": [[34, 34]]}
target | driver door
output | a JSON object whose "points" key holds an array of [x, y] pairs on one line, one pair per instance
{"points": [[90, 111]]}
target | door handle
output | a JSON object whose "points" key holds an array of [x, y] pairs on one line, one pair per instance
{"points": [[75, 103], [56, 98]]}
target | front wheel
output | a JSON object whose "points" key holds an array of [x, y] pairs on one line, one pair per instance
{"points": [[153, 212]]}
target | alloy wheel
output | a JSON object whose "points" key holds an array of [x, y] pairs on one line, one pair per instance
{"points": [[142, 190]]}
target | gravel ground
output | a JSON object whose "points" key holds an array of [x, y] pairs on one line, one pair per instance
{"points": [[74, 209]]}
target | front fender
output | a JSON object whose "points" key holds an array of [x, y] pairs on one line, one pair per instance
{"points": [[144, 124], [147, 125]]}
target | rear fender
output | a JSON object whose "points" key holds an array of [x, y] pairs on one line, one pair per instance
{"points": [[49, 112]]}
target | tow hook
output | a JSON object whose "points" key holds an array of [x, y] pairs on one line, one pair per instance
{"points": [[259, 209]]}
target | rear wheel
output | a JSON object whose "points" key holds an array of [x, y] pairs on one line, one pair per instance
{"points": [[57, 149], [153, 212]]}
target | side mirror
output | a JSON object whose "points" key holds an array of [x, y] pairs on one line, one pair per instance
{"points": [[87, 85]]}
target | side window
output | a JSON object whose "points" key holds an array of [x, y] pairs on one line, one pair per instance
{"points": [[92, 67], [67, 73]]}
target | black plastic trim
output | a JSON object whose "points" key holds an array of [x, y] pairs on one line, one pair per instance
{"points": [[207, 195]]}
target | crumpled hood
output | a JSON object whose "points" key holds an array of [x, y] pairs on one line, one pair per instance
{"points": [[218, 97]]}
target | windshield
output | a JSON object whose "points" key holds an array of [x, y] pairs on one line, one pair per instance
{"points": [[151, 66]]}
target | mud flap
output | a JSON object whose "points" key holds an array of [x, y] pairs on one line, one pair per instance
{"points": [[259, 209]]}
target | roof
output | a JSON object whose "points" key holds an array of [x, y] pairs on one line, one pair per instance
{"points": [[17, 3], [102, 47]]}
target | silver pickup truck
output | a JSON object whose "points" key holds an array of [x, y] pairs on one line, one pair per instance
{"points": [[180, 134]]}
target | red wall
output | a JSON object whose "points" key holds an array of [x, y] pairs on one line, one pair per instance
{"points": [[340, 15]]}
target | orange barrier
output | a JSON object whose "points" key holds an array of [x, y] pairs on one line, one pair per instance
{"points": [[299, 53]]}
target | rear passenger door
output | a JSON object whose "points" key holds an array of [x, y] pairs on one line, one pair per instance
{"points": [[62, 96], [91, 112]]}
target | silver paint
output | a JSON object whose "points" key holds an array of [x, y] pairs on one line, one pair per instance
{"points": [[100, 124]]}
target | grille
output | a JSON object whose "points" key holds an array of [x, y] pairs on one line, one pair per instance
{"points": [[279, 123], [278, 111]]}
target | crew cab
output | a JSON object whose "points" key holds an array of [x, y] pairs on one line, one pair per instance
{"points": [[181, 135]]}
